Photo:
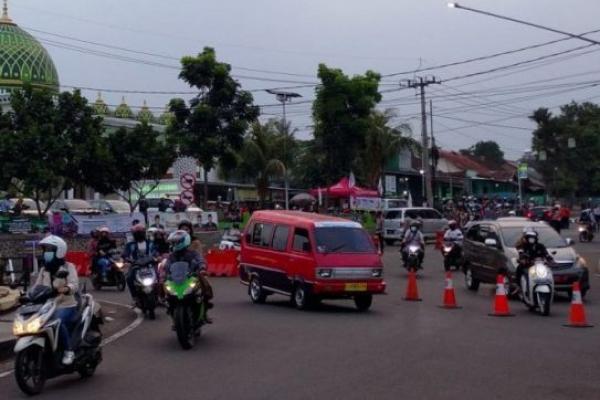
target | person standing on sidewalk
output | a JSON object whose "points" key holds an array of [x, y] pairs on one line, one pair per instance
{"points": [[379, 230]]}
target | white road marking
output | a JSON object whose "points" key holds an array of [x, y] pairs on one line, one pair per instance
{"points": [[138, 320]]}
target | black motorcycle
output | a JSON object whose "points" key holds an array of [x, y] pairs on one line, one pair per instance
{"points": [[413, 257], [586, 233], [146, 285], [115, 276]]}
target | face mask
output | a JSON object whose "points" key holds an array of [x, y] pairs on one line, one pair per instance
{"points": [[531, 240], [413, 228], [48, 256]]}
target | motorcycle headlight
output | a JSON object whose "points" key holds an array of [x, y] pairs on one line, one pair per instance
{"points": [[413, 249], [34, 326], [169, 289], [539, 270], [581, 229], [147, 281], [447, 249], [120, 264], [193, 284], [18, 328]]}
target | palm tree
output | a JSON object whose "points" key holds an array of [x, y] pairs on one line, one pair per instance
{"points": [[382, 142], [262, 158]]}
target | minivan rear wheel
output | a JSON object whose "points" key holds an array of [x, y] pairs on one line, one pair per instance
{"points": [[470, 281], [256, 292]]}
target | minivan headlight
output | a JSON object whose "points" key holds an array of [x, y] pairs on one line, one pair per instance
{"points": [[377, 272], [324, 273]]}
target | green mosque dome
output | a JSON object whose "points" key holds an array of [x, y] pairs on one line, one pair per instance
{"points": [[123, 110], [23, 60], [100, 107], [145, 115]]}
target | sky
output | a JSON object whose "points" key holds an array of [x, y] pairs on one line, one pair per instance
{"points": [[279, 43]]}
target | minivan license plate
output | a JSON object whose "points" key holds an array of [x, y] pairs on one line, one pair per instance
{"points": [[356, 287]]}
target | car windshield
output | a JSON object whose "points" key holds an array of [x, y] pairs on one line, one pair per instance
{"points": [[547, 236], [119, 206], [77, 204], [343, 240]]}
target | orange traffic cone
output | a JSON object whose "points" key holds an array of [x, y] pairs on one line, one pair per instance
{"points": [[501, 301], [412, 292], [449, 296], [577, 313]]}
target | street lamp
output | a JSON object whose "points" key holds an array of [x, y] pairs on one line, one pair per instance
{"points": [[284, 97], [422, 172], [518, 21]]}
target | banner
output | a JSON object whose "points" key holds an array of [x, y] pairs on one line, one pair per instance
{"points": [[522, 171], [365, 203]]}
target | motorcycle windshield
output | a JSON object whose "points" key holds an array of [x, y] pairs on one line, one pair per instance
{"points": [[146, 272], [179, 272]]}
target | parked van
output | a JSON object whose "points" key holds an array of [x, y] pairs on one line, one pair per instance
{"points": [[309, 257], [396, 221]]}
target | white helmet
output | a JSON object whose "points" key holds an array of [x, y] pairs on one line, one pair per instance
{"points": [[59, 245]]}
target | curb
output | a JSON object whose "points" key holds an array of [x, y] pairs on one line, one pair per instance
{"points": [[7, 346]]}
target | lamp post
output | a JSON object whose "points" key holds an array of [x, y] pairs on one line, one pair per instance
{"points": [[422, 172], [518, 21], [284, 97]]}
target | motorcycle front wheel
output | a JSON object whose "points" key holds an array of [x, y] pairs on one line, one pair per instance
{"points": [[29, 370], [120, 280], [544, 300], [184, 326]]}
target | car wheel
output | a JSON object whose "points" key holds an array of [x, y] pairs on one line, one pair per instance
{"points": [[470, 281], [256, 292], [363, 302], [301, 298]]}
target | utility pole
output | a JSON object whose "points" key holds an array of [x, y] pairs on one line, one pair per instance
{"points": [[422, 83], [434, 151]]}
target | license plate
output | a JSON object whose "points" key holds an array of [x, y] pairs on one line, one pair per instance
{"points": [[391, 232], [356, 287]]}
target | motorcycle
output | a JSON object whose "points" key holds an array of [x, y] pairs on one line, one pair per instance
{"points": [[586, 233], [449, 252], [38, 351], [115, 275], [537, 287], [185, 303], [413, 260], [146, 285]]}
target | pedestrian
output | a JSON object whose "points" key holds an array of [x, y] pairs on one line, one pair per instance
{"points": [[379, 230], [555, 218], [143, 205]]}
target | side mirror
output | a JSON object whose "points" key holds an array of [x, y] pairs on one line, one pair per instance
{"points": [[306, 247], [491, 243], [569, 241]]}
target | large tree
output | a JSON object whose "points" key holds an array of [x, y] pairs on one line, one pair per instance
{"points": [[342, 115], [488, 152], [140, 159], [383, 141], [50, 143], [211, 129], [569, 170]]}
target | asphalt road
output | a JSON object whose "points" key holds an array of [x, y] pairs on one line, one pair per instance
{"points": [[397, 350]]}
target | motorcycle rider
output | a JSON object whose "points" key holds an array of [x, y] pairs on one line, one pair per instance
{"points": [[530, 249], [181, 250], [134, 250], [195, 245], [454, 235], [54, 252], [413, 236], [103, 247]]}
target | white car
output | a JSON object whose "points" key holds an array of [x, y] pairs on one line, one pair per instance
{"points": [[396, 220]]}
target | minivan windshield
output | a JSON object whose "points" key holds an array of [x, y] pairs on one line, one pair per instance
{"points": [[547, 236], [343, 240]]}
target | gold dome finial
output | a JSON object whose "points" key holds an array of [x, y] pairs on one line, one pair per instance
{"points": [[5, 18]]}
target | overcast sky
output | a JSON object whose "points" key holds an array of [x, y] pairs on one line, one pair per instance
{"points": [[387, 36]]}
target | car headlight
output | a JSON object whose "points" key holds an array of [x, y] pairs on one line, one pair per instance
{"points": [[147, 281], [325, 273]]}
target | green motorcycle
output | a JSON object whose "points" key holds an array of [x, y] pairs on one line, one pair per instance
{"points": [[185, 302]]}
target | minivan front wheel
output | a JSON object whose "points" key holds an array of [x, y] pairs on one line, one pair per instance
{"points": [[256, 292], [301, 298], [470, 281], [363, 302]]}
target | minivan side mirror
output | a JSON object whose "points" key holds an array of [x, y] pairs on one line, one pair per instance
{"points": [[569, 241], [491, 243]]}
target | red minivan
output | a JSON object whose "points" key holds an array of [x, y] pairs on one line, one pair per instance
{"points": [[309, 257]]}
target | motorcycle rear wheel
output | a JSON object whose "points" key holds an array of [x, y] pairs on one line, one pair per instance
{"points": [[29, 370]]}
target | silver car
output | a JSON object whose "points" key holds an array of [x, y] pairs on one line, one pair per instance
{"points": [[396, 220], [490, 247]]}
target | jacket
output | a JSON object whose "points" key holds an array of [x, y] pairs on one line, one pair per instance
{"points": [[132, 253], [72, 281]]}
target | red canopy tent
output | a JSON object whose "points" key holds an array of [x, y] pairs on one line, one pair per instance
{"points": [[342, 189]]}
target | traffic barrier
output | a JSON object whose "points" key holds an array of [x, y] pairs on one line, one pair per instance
{"points": [[577, 317], [222, 262], [501, 300], [412, 291], [439, 240], [81, 260], [449, 295]]}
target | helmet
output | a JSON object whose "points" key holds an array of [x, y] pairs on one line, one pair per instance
{"points": [[55, 243], [104, 229], [138, 228], [452, 224], [179, 240], [531, 236]]}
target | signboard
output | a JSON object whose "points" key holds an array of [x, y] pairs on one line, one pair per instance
{"points": [[390, 184], [522, 171], [187, 181], [19, 226], [366, 203], [187, 197]]}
